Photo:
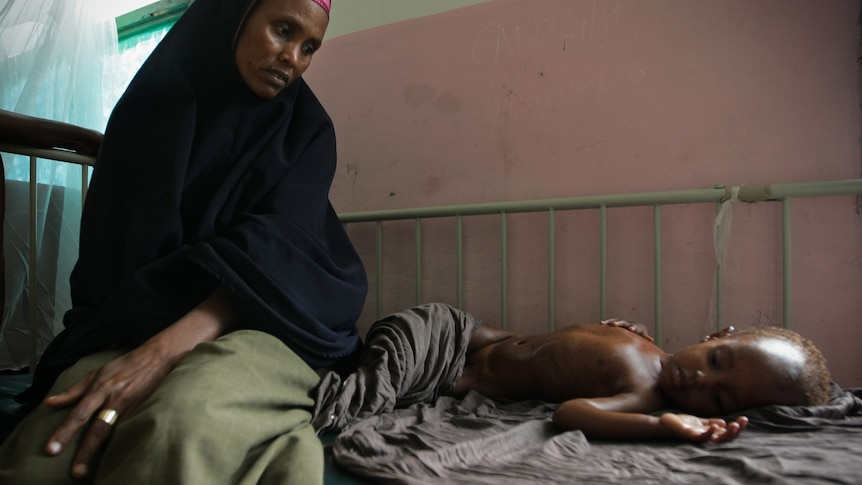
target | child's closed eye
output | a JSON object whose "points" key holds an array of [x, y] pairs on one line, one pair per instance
{"points": [[713, 358]]}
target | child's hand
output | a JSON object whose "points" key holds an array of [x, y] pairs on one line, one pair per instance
{"points": [[635, 327], [702, 430]]}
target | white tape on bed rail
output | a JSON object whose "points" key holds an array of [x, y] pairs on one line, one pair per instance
{"points": [[721, 225]]}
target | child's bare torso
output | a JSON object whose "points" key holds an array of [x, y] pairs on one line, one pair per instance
{"points": [[583, 361]]}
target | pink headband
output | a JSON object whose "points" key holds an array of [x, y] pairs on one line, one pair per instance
{"points": [[324, 4]]}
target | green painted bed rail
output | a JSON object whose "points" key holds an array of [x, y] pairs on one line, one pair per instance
{"points": [[719, 194]]}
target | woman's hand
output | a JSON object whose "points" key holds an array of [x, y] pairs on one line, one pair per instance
{"points": [[724, 332], [120, 385], [702, 430], [635, 327]]}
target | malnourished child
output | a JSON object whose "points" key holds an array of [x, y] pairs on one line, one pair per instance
{"points": [[607, 381]]}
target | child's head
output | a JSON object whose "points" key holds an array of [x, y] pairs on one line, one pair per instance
{"points": [[757, 367]]}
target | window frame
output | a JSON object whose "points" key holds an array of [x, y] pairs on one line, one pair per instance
{"points": [[150, 17]]}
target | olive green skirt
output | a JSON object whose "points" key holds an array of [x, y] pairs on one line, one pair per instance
{"points": [[234, 411]]}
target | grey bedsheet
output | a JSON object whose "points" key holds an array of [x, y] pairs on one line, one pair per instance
{"points": [[477, 440]]}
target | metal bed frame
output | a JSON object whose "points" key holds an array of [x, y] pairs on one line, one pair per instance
{"points": [[779, 193], [85, 162]]}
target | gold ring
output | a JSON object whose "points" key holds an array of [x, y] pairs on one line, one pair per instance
{"points": [[108, 416]]}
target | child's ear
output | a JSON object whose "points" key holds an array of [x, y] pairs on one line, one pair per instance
{"points": [[724, 332]]}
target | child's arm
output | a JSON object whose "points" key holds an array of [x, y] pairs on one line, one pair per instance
{"points": [[622, 417]]}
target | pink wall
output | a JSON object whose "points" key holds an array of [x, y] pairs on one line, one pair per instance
{"points": [[525, 99]]}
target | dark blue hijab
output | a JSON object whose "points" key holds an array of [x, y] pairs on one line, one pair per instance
{"points": [[199, 183]]}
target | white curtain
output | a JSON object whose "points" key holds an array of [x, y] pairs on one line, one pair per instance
{"points": [[55, 62]]}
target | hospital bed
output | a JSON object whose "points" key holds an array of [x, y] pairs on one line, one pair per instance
{"points": [[516, 443]]}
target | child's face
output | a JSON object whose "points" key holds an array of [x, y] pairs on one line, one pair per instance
{"points": [[731, 374]]}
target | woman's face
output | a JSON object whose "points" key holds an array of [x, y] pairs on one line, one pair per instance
{"points": [[276, 43]]}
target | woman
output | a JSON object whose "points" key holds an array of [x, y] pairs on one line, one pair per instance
{"points": [[213, 277]]}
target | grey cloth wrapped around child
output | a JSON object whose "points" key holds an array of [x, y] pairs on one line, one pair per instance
{"points": [[412, 356]]}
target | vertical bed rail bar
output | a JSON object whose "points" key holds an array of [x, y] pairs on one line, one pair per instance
{"points": [[504, 271], [552, 227], [603, 262], [786, 263], [418, 246], [658, 275], [379, 284], [719, 278], [459, 262], [85, 179], [32, 256]]}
